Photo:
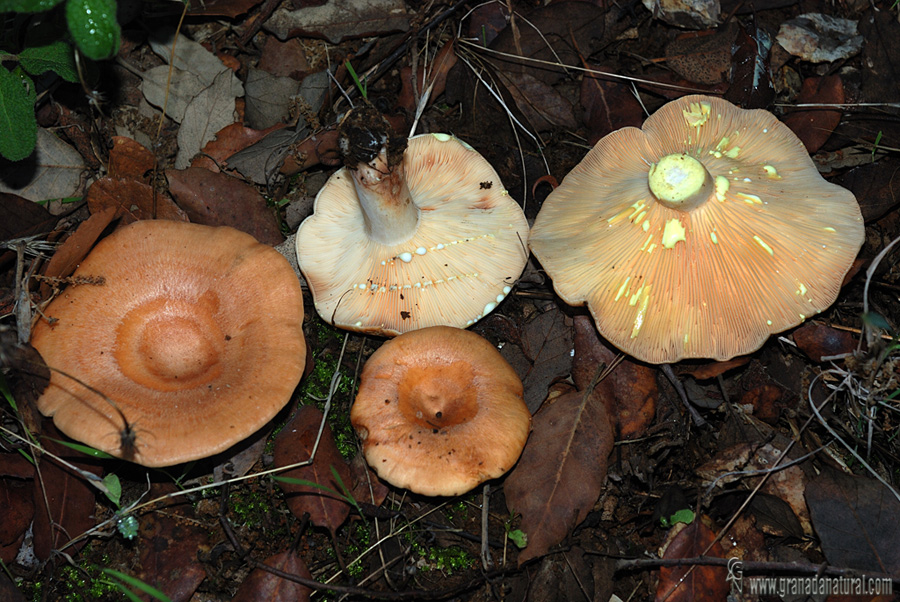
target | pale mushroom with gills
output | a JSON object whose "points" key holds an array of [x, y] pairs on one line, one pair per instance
{"points": [[194, 336], [411, 233], [698, 235], [439, 411]]}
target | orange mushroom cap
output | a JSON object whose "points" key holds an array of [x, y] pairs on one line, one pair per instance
{"points": [[444, 249], [439, 411], [698, 235], [194, 334]]}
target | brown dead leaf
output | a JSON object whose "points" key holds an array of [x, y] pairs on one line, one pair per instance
{"points": [[703, 57], [367, 487], [284, 59], [169, 545], [542, 105], [228, 141], [697, 583], [217, 199], [541, 352], [132, 200], [220, 8], [70, 253], [630, 392], [22, 217], [856, 521], [263, 585], [295, 444], [436, 74], [766, 401], [876, 186], [608, 106], [17, 501], [713, 369], [129, 159], [818, 341], [340, 20], [751, 79], [813, 126], [562, 470], [66, 501]]}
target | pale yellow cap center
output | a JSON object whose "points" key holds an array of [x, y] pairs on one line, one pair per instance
{"points": [[680, 181]]}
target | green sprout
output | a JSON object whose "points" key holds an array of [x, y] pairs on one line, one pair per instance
{"points": [[362, 86]]}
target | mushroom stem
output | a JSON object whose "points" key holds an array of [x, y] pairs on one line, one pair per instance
{"points": [[680, 181], [391, 216]]}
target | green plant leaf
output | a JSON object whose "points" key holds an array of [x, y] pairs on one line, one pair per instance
{"points": [[93, 25], [27, 6], [18, 127], [113, 488], [58, 57], [89, 451], [518, 537], [135, 582]]}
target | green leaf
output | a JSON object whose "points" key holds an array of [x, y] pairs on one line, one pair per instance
{"points": [[18, 127], [518, 537], [135, 582], [27, 6], [113, 488], [58, 57], [93, 25], [128, 526], [90, 451]]}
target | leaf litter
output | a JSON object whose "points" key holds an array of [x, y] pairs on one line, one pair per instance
{"points": [[558, 496]]}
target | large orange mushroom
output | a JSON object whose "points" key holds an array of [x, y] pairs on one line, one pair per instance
{"points": [[698, 235], [187, 336], [440, 411]]}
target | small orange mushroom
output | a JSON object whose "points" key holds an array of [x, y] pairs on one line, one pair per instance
{"points": [[193, 338], [699, 235], [440, 411]]}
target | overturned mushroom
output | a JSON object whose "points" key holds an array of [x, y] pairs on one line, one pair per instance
{"points": [[699, 235], [408, 238], [440, 411], [191, 342]]}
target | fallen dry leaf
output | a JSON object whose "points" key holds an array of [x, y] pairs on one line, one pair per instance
{"points": [[295, 444], [367, 487], [228, 141], [541, 104], [340, 20], [132, 200], [856, 521], [814, 126], [751, 80], [54, 170], [129, 159], [876, 186], [818, 341], [220, 8], [703, 57], [608, 105], [260, 584], [562, 470], [629, 392], [22, 217], [697, 583], [217, 199], [169, 546], [69, 254], [17, 501]]}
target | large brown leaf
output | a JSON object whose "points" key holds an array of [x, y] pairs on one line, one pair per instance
{"points": [[295, 444], [217, 199], [562, 469], [856, 520], [696, 583], [263, 585], [629, 392]]}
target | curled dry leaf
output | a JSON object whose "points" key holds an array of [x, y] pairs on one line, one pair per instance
{"points": [[295, 444], [692, 583], [132, 200], [263, 585], [629, 392], [562, 470]]}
